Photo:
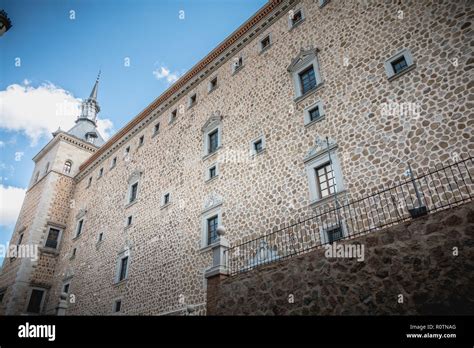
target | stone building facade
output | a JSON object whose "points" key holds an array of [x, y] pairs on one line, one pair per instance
{"points": [[237, 141]]}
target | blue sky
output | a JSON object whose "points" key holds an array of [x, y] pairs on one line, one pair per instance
{"points": [[53, 52]]}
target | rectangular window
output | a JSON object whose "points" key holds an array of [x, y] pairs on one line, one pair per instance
{"points": [[325, 180], [212, 224], [74, 251], [213, 141], [212, 172], [173, 116], [192, 100], [334, 234], [213, 84], [133, 192], [117, 306], [127, 150], [36, 299], [101, 172], [237, 63], [66, 288], [166, 199], [53, 238], [258, 145], [101, 236], [141, 140], [80, 224], [129, 220], [89, 183], [265, 43], [123, 268], [307, 79], [314, 114], [296, 18], [157, 128], [114, 162], [399, 64]]}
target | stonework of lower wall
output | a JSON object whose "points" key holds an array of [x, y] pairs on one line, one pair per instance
{"points": [[414, 259]]}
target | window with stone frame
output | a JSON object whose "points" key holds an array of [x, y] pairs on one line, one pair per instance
{"points": [[192, 100], [173, 116], [35, 302], [325, 180], [213, 141], [265, 43], [113, 163], [398, 64], [313, 113], [141, 140], [89, 182], [67, 167], [52, 240], [101, 172], [212, 224], [212, 134], [295, 17], [305, 72], [117, 306], [212, 172], [324, 172], [212, 84], [237, 64], [307, 79], [66, 287], [123, 268], [156, 129], [133, 193], [79, 227]]}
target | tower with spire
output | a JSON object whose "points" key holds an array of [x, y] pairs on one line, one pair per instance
{"points": [[86, 124], [55, 167]]}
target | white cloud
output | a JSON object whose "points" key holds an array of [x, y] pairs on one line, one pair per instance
{"points": [[11, 199], [164, 73], [105, 127], [38, 111], [2, 144]]}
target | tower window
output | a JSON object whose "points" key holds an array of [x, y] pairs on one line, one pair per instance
{"points": [[166, 199], [114, 163], [89, 183], [157, 128], [36, 301], [67, 167], [52, 240], [129, 220], [141, 140], [101, 172], [212, 172], [173, 115]]}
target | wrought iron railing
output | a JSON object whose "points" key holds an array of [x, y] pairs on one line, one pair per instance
{"points": [[438, 189]]}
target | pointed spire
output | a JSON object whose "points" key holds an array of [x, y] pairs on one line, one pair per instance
{"points": [[94, 89]]}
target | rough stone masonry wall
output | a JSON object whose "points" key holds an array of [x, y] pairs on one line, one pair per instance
{"points": [[414, 259], [167, 264]]}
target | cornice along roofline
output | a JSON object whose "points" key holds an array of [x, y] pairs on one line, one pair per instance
{"points": [[177, 86]]}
